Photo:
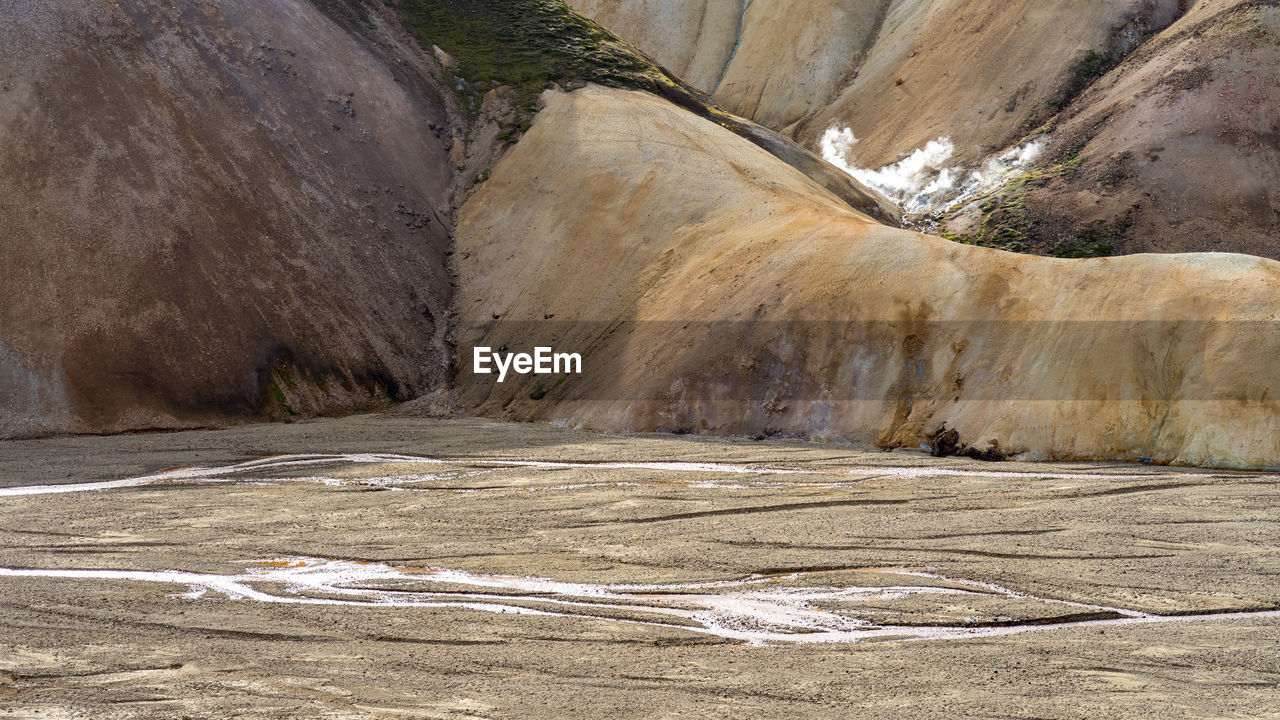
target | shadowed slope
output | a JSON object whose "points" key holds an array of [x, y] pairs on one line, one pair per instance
{"points": [[212, 211]]}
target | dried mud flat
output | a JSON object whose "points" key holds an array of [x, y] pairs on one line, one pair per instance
{"points": [[397, 567]]}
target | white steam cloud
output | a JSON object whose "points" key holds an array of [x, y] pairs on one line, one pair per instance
{"points": [[924, 182]]}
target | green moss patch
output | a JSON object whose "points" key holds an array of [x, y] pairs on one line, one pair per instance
{"points": [[1089, 67], [534, 45], [529, 45], [1006, 222], [1097, 239]]}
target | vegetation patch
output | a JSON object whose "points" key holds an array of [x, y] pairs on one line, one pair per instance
{"points": [[533, 45], [1091, 66], [1098, 239], [276, 402], [1007, 224], [528, 45]]}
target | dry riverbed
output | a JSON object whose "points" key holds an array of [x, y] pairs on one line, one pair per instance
{"points": [[408, 568]]}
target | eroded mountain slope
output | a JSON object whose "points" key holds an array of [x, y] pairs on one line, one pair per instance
{"points": [[980, 73], [1160, 135], [212, 211], [711, 288], [898, 73], [1177, 149], [773, 62]]}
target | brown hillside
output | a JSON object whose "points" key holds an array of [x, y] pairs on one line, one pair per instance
{"points": [[213, 210], [1177, 149]]}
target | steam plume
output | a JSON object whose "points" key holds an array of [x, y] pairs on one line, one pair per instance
{"points": [[924, 182]]}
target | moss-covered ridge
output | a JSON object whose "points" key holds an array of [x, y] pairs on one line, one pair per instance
{"points": [[534, 45], [529, 45]]}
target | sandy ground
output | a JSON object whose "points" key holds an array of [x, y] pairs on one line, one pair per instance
{"points": [[396, 567]]}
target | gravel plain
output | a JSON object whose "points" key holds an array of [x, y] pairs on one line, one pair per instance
{"points": [[398, 567]]}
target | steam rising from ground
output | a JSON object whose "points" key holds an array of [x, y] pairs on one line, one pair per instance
{"points": [[924, 182]]}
